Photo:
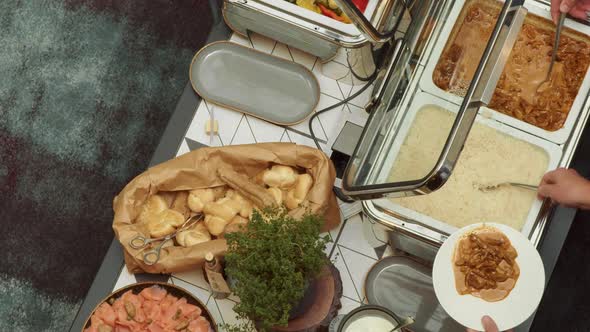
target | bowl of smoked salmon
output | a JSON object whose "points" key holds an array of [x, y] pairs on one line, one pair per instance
{"points": [[153, 307]]}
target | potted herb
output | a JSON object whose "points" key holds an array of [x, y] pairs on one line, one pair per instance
{"points": [[271, 263]]}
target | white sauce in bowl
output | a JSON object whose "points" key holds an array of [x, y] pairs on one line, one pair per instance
{"points": [[370, 324]]}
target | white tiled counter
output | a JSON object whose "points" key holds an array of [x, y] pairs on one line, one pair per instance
{"points": [[357, 243]]}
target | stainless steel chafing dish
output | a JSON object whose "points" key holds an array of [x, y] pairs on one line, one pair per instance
{"points": [[366, 175], [312, 32]]}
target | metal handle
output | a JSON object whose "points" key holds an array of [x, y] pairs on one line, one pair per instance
{"points": [[151, 257], [363, 24], [556, 44], [524, 185], [480, 90], [139, 242]]}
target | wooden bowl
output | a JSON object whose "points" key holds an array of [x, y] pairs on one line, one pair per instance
{"points": [[172, 289]]}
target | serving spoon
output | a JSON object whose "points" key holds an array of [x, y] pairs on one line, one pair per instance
{"points": [[560, 23]]}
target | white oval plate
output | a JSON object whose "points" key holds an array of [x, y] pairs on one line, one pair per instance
{"points": [[510, 312]]}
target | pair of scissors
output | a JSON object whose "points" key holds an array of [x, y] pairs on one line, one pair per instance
{"points": [[152, 256]]}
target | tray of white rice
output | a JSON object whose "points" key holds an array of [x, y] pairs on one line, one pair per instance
{"points": [[493, 153]]}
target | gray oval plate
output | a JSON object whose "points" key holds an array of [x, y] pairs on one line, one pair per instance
{"points": [[249, 81], [404, 286]]}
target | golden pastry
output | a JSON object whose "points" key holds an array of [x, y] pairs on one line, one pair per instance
{"points": [[198, 198], [168, 197], [277, 194], [193, 236], [159, 229], [151, 208], [224, 208], [171, 217], [280, 176], [237, 224], [241, 204], [215, 224], [180, 203], [298, 194]]}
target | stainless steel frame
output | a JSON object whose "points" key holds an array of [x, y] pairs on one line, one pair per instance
{"points": [[422, 237], [363, 185], [433, 238], [321, 38]]}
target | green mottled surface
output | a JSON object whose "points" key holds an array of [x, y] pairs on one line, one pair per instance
{"points": [[86, 89]]}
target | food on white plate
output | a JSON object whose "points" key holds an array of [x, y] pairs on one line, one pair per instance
{"points": [[280, 176], [277, 194], [153, 309], [194, 235], [484, 264], [151, 208]]}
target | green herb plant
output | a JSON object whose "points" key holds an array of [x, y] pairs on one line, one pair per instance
{"points": [[270, 263]]}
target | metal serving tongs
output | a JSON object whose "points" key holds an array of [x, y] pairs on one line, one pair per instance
{"points": [[152, 256], [560, 23], [490, 187]]}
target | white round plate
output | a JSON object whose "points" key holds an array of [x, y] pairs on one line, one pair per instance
{"points": [[508, 313]]}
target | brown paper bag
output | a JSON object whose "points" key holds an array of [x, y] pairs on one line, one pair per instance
{"points": [[198, 169]]}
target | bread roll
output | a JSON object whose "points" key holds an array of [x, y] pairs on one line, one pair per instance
{"points": [[277, 194], [171, 217], [219, 192], [198, 198], [168, 197], [241, 184], [215, 224], [237, 224], [194, 235], [291, 202], [165, 223], [280, 176], [302, 186], [298, 194], [259, 178], [224, 208], [159, 229], [151, 208], [238, 202], [180, 203]]}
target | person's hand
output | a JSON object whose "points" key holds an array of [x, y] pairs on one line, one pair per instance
{"points": [[576, 8], [566, 187], [488, 325]]}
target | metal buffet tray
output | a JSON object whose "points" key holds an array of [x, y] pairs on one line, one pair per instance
{"points": [[368, 165], [305, 29], [422, 100], [559, 136]]}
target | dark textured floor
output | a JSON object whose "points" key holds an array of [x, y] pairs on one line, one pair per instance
{"points": [[86, 89], [566, 303]]}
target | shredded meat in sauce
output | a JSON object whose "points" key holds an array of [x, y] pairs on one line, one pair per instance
{"points": [[485, 261], [516, 93]]}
